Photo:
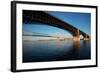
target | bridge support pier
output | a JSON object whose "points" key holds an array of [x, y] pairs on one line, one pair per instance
{"points": [[86, 38], [76, 36]]}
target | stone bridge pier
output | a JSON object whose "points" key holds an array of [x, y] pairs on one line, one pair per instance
{"points": [[77, 33], [76, 36], [86, 37]]}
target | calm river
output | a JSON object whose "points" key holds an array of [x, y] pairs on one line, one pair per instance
{"points": [[54, 50]]}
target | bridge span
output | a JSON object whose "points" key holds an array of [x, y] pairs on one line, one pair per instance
{"points": [[43, 17]]}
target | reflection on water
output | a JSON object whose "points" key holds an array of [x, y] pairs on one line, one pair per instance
{"points": [[76, 45], [54, 50]]}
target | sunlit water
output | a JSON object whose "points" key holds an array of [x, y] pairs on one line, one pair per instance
{"points": [[55, 50]]}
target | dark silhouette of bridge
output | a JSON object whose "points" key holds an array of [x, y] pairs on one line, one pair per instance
{"points": [[45, 18]]}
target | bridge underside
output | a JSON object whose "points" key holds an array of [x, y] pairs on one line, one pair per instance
{"points": [[43, 17]]}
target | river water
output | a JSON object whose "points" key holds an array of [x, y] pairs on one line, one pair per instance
{"points": [[55, 50]]}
